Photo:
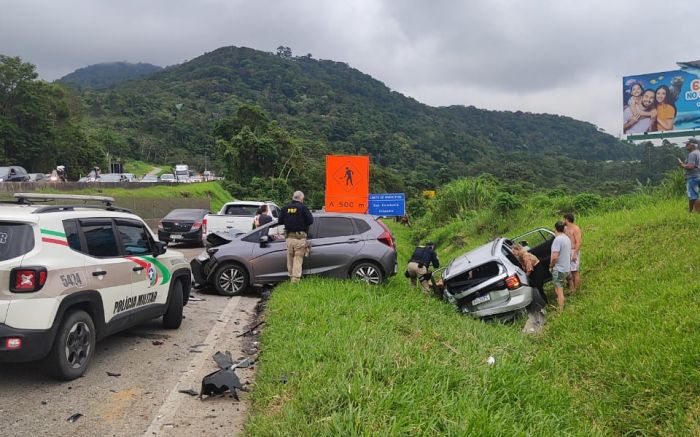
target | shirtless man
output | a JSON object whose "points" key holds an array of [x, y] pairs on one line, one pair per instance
{"points": [[574, 234]]}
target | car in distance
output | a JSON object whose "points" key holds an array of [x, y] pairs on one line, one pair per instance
{"points": [[167, 177], [13, 173], [342, 246], [489, 281], [182, 226], [38, 177], [75, 273]]}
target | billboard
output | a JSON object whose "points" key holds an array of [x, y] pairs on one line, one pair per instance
{"points": [[347, 183], [661, 102]]}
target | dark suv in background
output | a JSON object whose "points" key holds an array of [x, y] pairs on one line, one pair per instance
{"points": [[342, 246]]}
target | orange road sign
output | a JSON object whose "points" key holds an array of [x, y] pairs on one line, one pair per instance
{"points": [[347, 183]]}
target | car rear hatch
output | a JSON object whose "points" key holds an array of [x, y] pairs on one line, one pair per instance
{"points": [[17, 238]]}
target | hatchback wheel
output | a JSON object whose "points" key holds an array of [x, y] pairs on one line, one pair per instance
{"points": [[230, 279], [73, 347], [367, 272]]}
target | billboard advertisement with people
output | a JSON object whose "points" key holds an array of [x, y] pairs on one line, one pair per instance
{"points": [[661, 102]]}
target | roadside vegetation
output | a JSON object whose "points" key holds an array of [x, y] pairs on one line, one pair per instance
{"points": [[213, 190], [138, 168], [342, 358]]}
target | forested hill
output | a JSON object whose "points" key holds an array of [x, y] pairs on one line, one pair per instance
{"points": [[171, 115], [107, 74]]}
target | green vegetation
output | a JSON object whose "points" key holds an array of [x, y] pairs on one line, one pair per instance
{"points": [[213, 190], [321, 107], [341, 358], [138, 168], [105, 75]]}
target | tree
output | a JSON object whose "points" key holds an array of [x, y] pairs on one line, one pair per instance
{"points": [[284, 52]]}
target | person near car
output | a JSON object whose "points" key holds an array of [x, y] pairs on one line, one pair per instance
{"points": [[692, 171], [573, 231], [560, 261], [296, 219], [263, 217], [417, 268]]}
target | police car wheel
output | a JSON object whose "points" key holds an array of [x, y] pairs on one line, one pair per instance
{"points": [[73, 347], [172, 319], [230, 280], [367, 272]]}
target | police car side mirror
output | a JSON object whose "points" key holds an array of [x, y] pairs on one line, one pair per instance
{"points": [[161, 248], [264, 239]]}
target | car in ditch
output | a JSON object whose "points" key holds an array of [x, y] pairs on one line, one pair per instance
{"points": [[341, 245], [73, 273], [489, 281]]}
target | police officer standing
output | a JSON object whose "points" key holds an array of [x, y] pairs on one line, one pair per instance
{"points": [[296, 219], [421, 259]]}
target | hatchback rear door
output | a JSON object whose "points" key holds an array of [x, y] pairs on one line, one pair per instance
{"points": [[333, 246]]}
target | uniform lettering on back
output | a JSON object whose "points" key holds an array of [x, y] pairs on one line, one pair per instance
{"points": [[292, 210]]}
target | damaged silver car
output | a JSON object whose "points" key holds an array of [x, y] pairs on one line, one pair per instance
{"points": [[490, 282]]}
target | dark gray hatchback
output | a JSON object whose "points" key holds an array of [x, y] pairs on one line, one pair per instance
{"points": [[342, 246]]}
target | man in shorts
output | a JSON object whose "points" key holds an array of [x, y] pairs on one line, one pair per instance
{"points": [[692, 171], [574, 234], [560, 261]]}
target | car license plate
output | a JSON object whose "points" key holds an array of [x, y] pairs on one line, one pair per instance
{"points": [[175, 237], [481, 299]]}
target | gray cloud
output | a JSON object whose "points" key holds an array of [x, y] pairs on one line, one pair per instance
{"points": [[565, 57]]}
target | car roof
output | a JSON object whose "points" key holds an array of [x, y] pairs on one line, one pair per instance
{"points": [[474, 258], [27, 212]]}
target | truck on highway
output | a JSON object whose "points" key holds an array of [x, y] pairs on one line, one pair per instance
{"points": [[237, 217], [182, 173]]}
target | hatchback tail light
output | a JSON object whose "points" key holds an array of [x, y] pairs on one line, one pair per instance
{"points": [[512, 282], [160, 226], [27, 280], [385, 236], [196, 225]]}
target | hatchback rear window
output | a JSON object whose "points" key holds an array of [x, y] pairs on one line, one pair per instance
{"points": [[16, 239]]}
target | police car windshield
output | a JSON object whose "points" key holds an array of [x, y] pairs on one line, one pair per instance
{"points": [[16, 239]]}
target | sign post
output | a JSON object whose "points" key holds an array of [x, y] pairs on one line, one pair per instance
{"points": [[388, 205], [347, 183]]}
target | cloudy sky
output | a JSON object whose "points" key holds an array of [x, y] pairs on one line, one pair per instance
{"points": [[556, 56]]}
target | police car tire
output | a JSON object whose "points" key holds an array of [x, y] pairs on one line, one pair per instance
{"points": [[229, 269], [172, 319], [56, 362]]}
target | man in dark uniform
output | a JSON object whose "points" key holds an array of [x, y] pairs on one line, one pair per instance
{"points": [[296, 219], [417, 268]]}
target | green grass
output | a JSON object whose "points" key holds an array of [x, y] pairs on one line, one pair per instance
{"points": [[138, 168], [341, 358], [214, 190]]}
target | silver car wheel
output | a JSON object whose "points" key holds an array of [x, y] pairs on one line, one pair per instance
{"points": [[231, 280], [368, 273], [78, 345]]}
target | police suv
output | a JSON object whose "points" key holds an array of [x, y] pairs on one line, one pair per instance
{"points": [[73, 273]]}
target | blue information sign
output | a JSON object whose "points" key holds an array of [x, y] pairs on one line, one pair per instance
{"points": [[389, 205]]}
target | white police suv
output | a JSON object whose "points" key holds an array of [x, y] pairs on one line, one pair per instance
{"points": [[72, 273]]}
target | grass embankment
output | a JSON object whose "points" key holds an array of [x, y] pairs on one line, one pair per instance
{"points": [[140, 168], [340, 358], [214, 190]]}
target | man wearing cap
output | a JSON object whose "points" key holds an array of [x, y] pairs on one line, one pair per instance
{"points": [[296, 219], [417, 268], [692, 171]]}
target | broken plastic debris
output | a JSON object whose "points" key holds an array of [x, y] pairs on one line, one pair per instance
{"points": [[491, 361], [74, 417], [116, 375], [157, 342], [189, 391]]}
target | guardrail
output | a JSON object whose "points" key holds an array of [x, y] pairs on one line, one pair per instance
{"points": [[30, 187]]}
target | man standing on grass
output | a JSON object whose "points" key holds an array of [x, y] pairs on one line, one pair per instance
{"points": [[574, 234], [296, 219], [692, 171], [560, 261]]}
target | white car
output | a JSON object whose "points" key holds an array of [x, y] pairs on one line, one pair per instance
{"points": [[71, 274], [167, 177], [236, 217]]}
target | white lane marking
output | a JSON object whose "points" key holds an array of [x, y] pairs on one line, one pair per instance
{"points": [[194, 373]]}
